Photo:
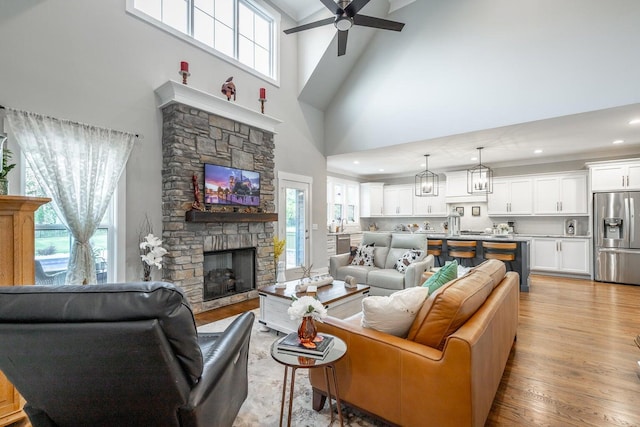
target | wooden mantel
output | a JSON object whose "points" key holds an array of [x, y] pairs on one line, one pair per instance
{"points": [[172, 92], [201, 216]]}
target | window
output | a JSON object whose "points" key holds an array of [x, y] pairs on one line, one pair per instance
{"points": [[243, 30], [53, 241], [343, 202]]}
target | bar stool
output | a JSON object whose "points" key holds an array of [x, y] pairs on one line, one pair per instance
{"points": [[434, 247], [502, 251], [461, 250]]}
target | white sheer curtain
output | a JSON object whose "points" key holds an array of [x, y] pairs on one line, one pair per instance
{"points": [[78, 166]]}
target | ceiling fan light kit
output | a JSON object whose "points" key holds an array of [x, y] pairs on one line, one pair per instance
{"points": [[480, 178], [346, 16], [427, 182]]}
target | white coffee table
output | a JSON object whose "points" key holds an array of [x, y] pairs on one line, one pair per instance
{"points": [[340, 302]]}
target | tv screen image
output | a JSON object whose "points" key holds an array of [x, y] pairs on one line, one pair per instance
{"points": [[230, 186]]}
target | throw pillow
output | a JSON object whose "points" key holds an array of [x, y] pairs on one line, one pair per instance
{"points": [[395, 313], [363, 256], [442, 276], [407, 259]]}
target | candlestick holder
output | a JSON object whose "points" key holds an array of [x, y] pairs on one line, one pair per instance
{"points": [[262, 101], [184, 74]]}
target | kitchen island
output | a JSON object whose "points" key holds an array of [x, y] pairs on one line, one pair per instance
{"points": [[521, 264]]}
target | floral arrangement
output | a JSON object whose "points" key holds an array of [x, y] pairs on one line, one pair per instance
{"points": [[307, 306], [278, 247], [503, 228], [151, 254], [6, 167]]}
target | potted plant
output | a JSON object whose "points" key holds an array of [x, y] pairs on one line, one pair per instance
{"points": [[6, 168]]}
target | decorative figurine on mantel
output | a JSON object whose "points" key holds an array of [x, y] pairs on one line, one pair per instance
{"points": [[184, 71], [229, 88], [196, 205]]}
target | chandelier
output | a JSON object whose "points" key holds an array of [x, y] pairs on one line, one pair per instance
{"points": [[479, 178], [427, 181]]}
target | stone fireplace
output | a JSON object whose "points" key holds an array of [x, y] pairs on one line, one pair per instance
{"points": [[200, 128]]}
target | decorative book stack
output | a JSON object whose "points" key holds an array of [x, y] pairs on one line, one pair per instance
{"points": [[291, 345]]}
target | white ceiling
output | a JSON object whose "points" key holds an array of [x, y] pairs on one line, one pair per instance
{"points": [[577, 137]]}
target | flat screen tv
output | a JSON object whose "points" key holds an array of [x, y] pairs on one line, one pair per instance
{"points": [[230, 186]]}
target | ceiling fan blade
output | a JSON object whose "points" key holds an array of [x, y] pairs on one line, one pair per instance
{"points": [[383, 24], [310, 25], [354, 7], [333, 7], [342, 42]]}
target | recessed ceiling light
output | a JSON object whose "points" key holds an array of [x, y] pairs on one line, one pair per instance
{"points": [[634, 122], [356, 162], [538, 151], [423, 165], [618, 141], [380, 170], [473, 159]]}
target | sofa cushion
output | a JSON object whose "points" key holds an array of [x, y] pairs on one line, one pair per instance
{"points": [[400, 243], [358, 271], [494, 268], [450, 307], [386, 278], [441, 277], [395, 313], [408, 258], [363, 256]]}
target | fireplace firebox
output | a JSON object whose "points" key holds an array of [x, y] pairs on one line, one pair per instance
{"points": [[229, 272]]}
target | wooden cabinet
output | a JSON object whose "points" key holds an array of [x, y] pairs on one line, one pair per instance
{"points": [[560, 255], [564, 194], [432, 205], [615, 176], [511, 196], [398, 200], [17, 249], [371, 199]]}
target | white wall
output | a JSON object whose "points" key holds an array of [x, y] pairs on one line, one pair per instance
{"points": [[89, 61], [465, 65]]}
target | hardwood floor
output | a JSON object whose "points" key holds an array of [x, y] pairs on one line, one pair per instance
{"points": [[574, 362]]}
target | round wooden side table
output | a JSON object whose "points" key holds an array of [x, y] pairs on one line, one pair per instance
{"points": [[295, 362]]}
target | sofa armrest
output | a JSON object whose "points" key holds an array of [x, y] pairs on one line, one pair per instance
{"points": [[413, 275], [336, 261], [223, 386]]}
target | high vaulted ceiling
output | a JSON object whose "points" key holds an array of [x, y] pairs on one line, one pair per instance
{"points": [[513, 78]]}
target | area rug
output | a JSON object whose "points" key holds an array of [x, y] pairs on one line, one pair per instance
{"points": [[262, 406]]}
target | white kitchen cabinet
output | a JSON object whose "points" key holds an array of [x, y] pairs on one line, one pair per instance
{"points": [[563, 194], [456, 189], [432, 205], [615, 177], [560, 255], [398, 200], [371, 199], [511, 196]]}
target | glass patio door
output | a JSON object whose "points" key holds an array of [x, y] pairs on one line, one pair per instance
{"points": [[294, 218]]}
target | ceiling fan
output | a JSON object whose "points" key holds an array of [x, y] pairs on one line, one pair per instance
{"points": [[346, 16]]}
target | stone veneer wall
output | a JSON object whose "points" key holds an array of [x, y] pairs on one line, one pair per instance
{"points": [[191, 138]]}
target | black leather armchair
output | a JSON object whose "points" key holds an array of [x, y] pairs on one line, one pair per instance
{"points": [[120, 355]]}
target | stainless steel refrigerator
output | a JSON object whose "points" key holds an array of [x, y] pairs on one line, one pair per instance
{"points": [[616, 231]]}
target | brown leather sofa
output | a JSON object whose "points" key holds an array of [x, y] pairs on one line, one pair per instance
{"points": [[448, 369]]}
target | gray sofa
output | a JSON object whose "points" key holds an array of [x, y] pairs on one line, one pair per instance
{"points": [[383, 278]]}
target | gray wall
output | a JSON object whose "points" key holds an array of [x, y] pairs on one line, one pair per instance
{"points": [[89, 61]]}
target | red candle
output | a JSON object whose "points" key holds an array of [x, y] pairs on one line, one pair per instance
{"points": [[184, 66], [263, 93]]}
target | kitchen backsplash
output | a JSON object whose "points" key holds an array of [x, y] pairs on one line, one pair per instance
{"points": [[523, 225]]}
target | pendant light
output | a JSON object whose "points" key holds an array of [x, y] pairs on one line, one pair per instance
{"points": [[427, 181], [479, 178]]}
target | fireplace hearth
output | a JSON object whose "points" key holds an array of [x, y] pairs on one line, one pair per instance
{"points": [[228, 273]]}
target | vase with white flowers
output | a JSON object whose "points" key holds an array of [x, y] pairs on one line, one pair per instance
{"points": [[151, 253], [308, 310]]}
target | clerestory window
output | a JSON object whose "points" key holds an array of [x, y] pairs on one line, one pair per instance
{"points": [[244, 31]]}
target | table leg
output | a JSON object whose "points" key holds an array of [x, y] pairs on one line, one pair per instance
{"points": [[326, 381], [284, 392], [335, 383], [293, 381]]}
